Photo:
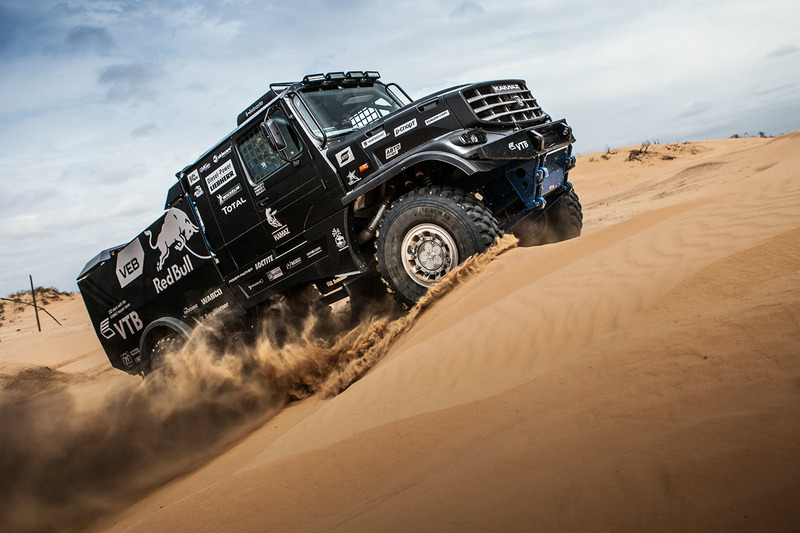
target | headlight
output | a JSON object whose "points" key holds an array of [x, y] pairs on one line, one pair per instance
{"points": [[473, 136]]}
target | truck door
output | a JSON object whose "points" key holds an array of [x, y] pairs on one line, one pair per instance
{"points": [[286, 187]]}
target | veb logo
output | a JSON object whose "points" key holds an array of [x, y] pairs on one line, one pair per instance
{"points": [[129, 263]]}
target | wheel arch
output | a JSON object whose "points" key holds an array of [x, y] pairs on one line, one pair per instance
{"points": [[437, 163], [157, 329]]}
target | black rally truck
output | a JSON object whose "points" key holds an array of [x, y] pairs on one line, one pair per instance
{"points": [[331, 185]]}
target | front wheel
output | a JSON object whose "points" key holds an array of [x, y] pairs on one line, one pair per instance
{"points": [[425, 234]]}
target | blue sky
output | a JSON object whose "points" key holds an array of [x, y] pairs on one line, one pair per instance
{"points": [[102, 102]]}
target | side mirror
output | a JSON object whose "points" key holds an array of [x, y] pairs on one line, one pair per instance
{"points": [[273, 134]]}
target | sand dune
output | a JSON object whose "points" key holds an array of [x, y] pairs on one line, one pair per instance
{"points": [[645, 376]]}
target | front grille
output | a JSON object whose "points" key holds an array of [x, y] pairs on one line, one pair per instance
{"points": [[504, 102]]}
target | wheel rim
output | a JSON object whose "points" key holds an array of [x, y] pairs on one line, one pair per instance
{"points": [[428, 253]]}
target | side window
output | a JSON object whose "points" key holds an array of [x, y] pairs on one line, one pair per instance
{"points": [[259, 158]]}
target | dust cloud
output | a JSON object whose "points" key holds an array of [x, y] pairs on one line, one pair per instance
{"points": [[73, 447]]}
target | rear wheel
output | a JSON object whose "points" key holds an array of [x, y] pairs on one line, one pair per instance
{"points": [[560, 222], [167, 343], [425, 234]]}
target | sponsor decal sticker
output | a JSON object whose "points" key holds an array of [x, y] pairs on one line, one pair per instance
{"points": [[217, 179], [224, 197], [315, 251], [214, 312], [255, 108], [246, 272], [339, 239], [211, 296], [118, 309], [174, 273], [205, 167], [228, 209], [130, 261], [293, 263], [437, 118], [176, 230], [518, 146], [345, 156], [127, 325], [404, 128], [129, 358], [198, 191], [105, 328], [258, 189], [222, 154], [193, 177], [256, 284], [264, 262], [372, 140], [274, 274], [280, 234], [352, 179], [189, 310], [505, 88], [392, 151], [272, 218]]}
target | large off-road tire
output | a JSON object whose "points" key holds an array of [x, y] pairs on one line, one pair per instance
{"points": [[561, 221], [425, 234], [169, 342]]}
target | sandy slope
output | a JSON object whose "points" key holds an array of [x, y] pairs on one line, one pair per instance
{"points": [[642, 377]]}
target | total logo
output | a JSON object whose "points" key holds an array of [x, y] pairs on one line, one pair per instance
{"points": [[127, 325], [228, 209]]}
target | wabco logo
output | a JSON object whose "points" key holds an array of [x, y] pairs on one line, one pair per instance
{"points": [[207, 298], [518, 146]]}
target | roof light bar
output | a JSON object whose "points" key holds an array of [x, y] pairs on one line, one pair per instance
{"points": [[311, 78], [331, 76]]}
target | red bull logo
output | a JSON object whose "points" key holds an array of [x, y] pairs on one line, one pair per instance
{"points": [[175, 232]]}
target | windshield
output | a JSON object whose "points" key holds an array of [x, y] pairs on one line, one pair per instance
{"points": [[340, 110]]}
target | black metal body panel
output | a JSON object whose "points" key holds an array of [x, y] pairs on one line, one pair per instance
{"points": [[166, 271]]}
